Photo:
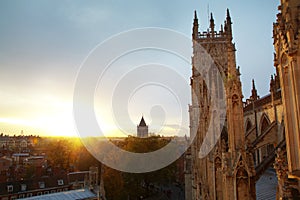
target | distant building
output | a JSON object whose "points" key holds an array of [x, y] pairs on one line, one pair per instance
{"points": [[74, 185], [142, 129], [5, 163], [21, 144], [18, 158], [37, 161]]}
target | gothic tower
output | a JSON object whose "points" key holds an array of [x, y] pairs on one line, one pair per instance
{"points": [[142, 129], [227, 171], [286, 34]]}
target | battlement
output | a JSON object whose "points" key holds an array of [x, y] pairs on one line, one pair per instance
{"points": [[209, 34], [225, 33]]}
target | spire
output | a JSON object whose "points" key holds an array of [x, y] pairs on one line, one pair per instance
{"points": [[228, 18], [195, 26], [211, 18], [228, 23], [253, 85], [212, 24], [195, 15], [142, 129], [142, 122], [254, 95]]}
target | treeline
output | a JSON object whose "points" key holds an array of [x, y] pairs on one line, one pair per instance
{"points": [[71, 155], [119, 185]]}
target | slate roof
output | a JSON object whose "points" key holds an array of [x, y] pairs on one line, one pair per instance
{"points": [[266, 186], [68, 195]]}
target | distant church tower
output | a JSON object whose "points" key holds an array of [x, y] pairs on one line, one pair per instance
{"points": [[142, 129]]}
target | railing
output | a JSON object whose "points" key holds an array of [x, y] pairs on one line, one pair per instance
{"points": [[262, 101], [259, 102], [206, 34]]}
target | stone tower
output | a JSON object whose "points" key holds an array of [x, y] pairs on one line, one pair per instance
{"points": [[227, 172], [142, 129], [286, 34]]}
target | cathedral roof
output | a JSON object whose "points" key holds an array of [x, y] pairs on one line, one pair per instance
{"points": [[142, 122]]}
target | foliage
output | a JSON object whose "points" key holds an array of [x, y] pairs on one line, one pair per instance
{"points": [[136, 185], [113, 184], [85, 160], [144, 145], [63, 153]]}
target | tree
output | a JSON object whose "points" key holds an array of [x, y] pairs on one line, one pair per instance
{"points": [[136, 185], [59, 154], [113, 184]]}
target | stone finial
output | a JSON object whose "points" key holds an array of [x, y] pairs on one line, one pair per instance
{"points": [[228, 15], [254, 95], [228, 23], [212, 24], [195, 26]]}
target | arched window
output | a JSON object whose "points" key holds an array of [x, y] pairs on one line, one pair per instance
{"points": [[242, 184], [264, 124]]}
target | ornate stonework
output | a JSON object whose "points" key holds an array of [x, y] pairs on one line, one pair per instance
{"points": [[259, 133], [227, 172], [286, 33], [287, 62]]}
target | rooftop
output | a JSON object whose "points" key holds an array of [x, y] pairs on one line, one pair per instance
{"points": [[68, 195]]}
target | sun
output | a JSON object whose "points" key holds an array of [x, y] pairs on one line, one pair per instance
{"points": [[44, 126]]}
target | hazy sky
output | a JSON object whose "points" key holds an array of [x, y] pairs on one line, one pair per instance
{"points": [[43, 44]]}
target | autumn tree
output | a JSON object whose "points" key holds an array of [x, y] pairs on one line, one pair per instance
{"points": [[58, 155], [138, 184]]}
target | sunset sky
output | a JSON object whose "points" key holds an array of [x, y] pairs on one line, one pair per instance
{"points": [[43, 44]]}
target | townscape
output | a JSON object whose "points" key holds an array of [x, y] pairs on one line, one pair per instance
{"points": [[239, 147]]}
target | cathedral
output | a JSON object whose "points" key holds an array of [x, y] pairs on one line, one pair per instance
{"points": [[256, 135]]}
